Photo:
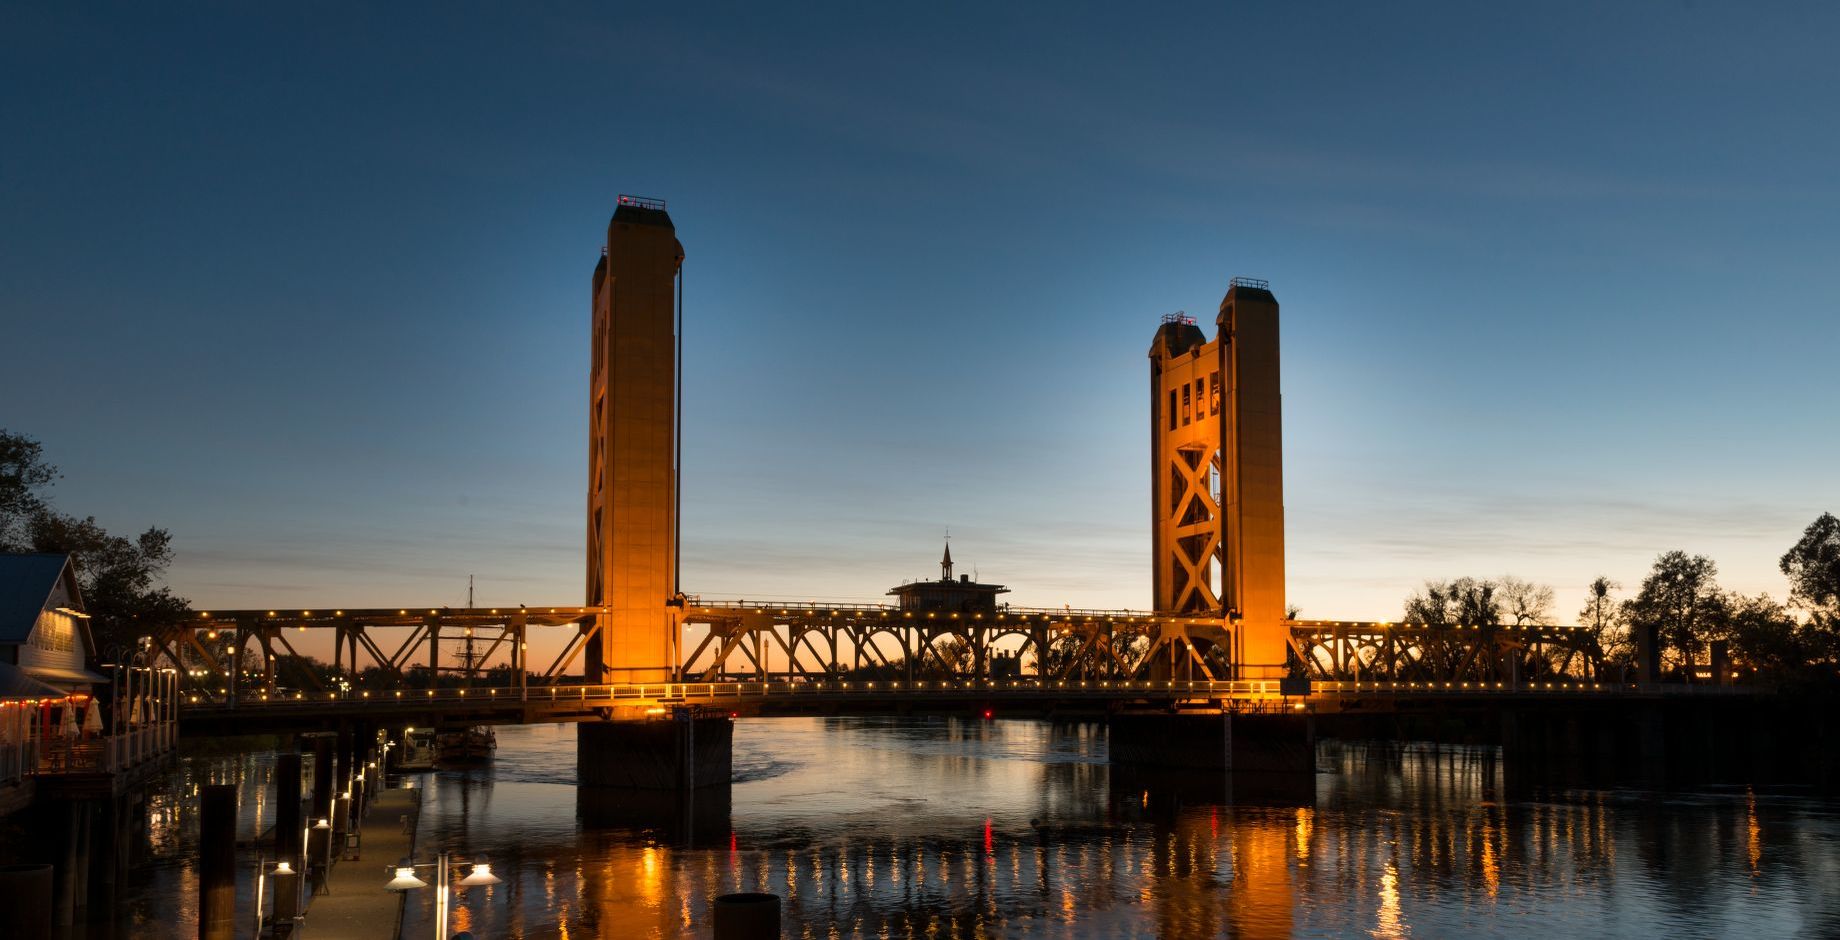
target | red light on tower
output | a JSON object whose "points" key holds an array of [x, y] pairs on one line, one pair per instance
{"points": [[986, 714]]}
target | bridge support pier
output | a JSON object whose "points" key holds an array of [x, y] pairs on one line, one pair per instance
{"points": [[683, 752], [670, 774], [1263, 756]]}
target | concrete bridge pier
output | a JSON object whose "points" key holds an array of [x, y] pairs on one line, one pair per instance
{"points": [[681, 752], [1263, 756], [656, 772]]}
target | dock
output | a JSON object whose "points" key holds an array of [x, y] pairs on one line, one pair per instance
{"points": [[355, 905]]}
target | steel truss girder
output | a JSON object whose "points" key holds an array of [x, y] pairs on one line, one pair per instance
{"points": [[1384, 652], [816, 642]]}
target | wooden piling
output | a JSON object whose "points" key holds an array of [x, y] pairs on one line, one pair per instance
{"points": [[217, 862]]}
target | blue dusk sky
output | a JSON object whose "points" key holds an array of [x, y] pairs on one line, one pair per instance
{"points": [[309, 284]]}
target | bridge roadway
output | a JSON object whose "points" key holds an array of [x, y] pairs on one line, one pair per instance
{"points": [[1006, 697]]}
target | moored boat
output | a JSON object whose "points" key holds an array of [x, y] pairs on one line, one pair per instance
{"points": [[465, 746]]}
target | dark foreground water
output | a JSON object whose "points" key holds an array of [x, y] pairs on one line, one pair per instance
{"points": [[935, 828]]}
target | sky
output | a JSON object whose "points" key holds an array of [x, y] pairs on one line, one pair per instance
{"points": [[308, 284]]}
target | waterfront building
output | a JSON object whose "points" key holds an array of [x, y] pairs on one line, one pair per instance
{"points": [[44, 632]]}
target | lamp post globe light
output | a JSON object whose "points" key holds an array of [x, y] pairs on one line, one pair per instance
{"points": [[403, 879]]}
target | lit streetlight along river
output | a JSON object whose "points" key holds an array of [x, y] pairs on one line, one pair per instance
{"points": [[905, 827]]}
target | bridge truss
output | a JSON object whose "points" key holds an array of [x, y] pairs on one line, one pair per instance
{"points": [[223, 655]]}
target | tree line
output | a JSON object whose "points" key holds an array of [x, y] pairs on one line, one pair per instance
{"points": [[1682, 609]]}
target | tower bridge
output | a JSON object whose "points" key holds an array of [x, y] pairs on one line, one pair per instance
{"points": [[1216, 637], [1218, 605]]}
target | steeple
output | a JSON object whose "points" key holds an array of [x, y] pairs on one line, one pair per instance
{"points": [[945, 564]]}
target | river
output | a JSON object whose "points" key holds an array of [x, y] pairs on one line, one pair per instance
{"points": [[906, 827]]}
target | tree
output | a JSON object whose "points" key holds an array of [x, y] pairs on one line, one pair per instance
{"points": [[23, 472], [1470, 602], [1680, 603], [1813, 567], [1525, 604], [119, 577], [1764, 636], [1603, 617]]}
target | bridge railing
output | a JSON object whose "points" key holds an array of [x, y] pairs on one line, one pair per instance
{"points": [[659, 693]]}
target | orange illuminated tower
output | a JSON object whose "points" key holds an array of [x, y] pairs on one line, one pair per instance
{"points": [[1217, 476], [632, 448]]}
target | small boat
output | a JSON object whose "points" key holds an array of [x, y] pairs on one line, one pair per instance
{"points": [[465, 746], [418, 751]]}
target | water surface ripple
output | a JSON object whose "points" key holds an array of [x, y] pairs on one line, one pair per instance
{"points": [[903, 827]]}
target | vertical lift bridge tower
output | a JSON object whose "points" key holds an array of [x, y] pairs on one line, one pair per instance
{"points": [[632, 449], [1217, 472]]}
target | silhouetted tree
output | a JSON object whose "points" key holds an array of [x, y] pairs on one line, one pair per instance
{"points": [[1466, 601], [1603, 617], [23, 473], [1764, 636], [1523, 603], [1680, 601], [1813, 567]]}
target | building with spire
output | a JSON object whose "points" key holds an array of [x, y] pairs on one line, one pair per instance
{"points": [[948, 595]]}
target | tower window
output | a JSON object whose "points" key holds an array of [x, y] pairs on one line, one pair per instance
{"points": [[1187, 397]]}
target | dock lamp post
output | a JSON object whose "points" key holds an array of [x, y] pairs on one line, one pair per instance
{"points": [[342, 832], [404, 880], [287, 892], [322, 830]]}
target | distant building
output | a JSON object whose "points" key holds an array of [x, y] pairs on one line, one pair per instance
{"points": [[44, 632], [962, 595]]}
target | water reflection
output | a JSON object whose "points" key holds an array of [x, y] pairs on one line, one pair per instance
{"points": [[916, 828]]}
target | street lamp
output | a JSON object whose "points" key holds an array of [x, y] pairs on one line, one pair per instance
{"points": [[404, 880]]}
